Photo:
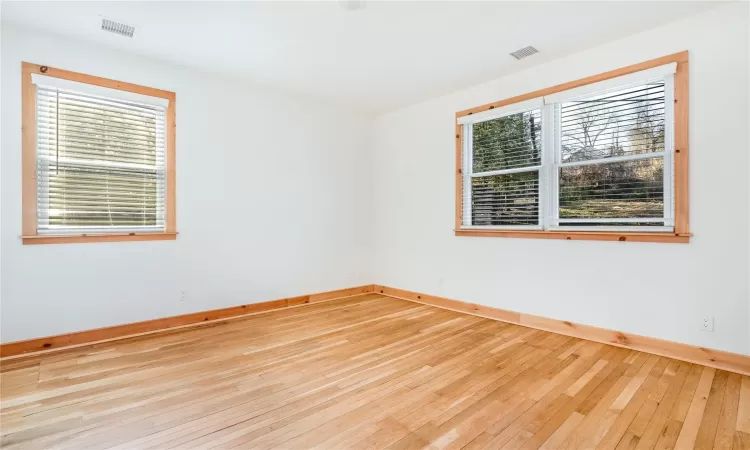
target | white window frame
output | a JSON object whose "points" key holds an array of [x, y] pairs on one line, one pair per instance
{"points": [[549, 170], [117, 98], [470, 174]]}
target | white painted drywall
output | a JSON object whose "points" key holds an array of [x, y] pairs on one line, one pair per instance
{"points": [[1, 135], [651, 289], [273, 200]]}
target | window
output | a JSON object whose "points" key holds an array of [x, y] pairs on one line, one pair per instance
{"points": [[98, 159], [600, 158]]}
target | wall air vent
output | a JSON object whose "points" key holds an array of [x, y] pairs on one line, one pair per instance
{"points": [[117, 27], [524, 52]]}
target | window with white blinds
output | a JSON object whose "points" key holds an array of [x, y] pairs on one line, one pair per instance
{"points": [[503, 187], [595, 158], [100, 159]]}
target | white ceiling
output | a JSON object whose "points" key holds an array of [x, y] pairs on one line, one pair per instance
{"points": [[379, 58]]}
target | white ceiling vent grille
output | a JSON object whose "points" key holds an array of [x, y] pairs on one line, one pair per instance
{"points": [[524, 52], [352, 5], [117, 27]]}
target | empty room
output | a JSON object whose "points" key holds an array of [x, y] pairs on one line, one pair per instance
{"points": [[365, 224]]}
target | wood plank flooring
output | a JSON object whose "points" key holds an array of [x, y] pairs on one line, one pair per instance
{"points": [[367, 372]]}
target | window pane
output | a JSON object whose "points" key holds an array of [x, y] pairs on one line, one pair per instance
{"points": [[511, 199], [622, 190], [100, 163], [92, 128], [625, 122], [508, 142], [83, 196]]}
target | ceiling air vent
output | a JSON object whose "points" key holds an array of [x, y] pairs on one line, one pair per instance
{"points": [[524, 52], [352, 5], [117, 27]]}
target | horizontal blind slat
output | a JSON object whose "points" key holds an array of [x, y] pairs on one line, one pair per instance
{"points": [[50, 140], [68, 154], [98, 129], [65, 112]]}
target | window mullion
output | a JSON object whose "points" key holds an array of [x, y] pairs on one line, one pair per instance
{"points": [[555, 166], [466, 173], [668, 175], [548, 179]]}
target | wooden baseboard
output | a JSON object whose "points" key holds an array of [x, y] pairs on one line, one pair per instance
{"points": [[91, 337], [718, 359]]}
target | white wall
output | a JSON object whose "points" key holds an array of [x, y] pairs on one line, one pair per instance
{"points": [[651, 289], [1, 135], [272, 201]]}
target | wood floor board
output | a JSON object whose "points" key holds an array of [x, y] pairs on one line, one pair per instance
{"points": [[658, 423], [520, 423], [367, 372], [599, 384], [643, 407]]}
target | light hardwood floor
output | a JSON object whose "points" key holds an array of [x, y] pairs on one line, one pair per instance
{"points": [[368, 372]]}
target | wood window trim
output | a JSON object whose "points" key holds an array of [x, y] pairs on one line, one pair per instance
{"points": [[681, 232], [28, 130]]}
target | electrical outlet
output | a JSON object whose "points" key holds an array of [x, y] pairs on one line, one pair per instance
{"points": [[183, 296], [707, 323]]}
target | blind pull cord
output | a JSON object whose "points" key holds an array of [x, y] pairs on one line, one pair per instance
{"points": [[57, 132]]}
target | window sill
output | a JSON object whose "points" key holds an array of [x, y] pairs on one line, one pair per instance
{"points": [[81, 238], [682, 238]]}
